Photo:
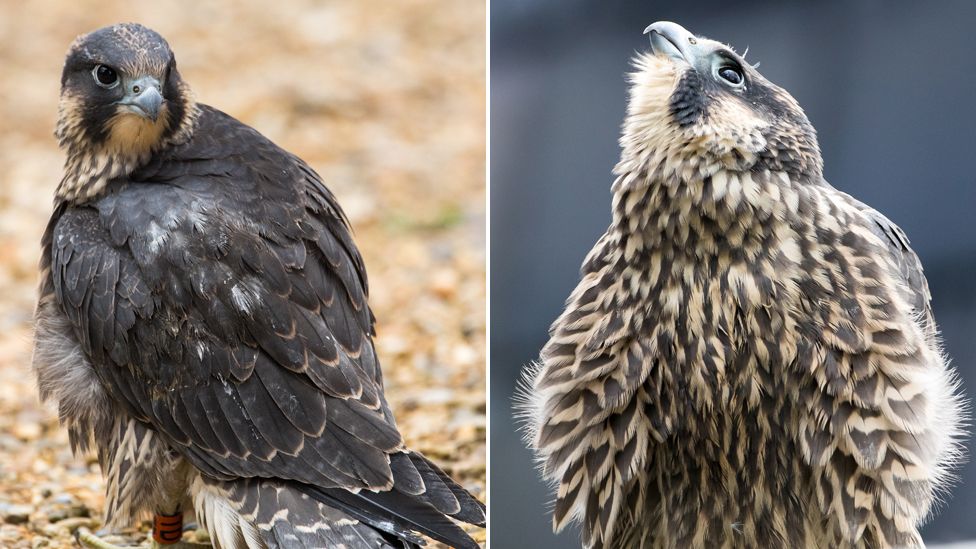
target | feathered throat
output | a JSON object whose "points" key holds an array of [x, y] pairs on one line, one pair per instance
{"points": [[130, 142]]}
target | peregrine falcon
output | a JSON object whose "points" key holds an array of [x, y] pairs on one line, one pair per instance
{"points": [[203, 325], [750, 358]]}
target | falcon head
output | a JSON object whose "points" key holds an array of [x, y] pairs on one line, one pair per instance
{"points": [[697, 107], [121, 99]]}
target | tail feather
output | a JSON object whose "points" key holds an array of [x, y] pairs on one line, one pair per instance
{"points": [[437, 492], [275, 514], [396, 513], [272, 513], [469, 509]]}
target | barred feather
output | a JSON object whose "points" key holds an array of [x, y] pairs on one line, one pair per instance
{"points": [[750, 358]]}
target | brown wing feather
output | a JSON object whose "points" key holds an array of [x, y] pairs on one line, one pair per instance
{"points": [[224, 303]]}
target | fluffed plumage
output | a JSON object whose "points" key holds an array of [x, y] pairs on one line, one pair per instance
{"points": [[750, 358], [203, 324]]}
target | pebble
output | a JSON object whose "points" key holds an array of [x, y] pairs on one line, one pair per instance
{"points": [[27, 430], [444, 283], [15, 514], [464, 355], [64, 499], [10, 533], [55, 511]]}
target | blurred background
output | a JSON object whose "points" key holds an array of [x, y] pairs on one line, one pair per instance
{"points": [[890, 86], [386, 100]]}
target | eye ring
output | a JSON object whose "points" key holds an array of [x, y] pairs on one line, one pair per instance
{"points": [[105, 76], [731, 75]]}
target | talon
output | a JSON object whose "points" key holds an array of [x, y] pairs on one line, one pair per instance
{"points": [[201, 535], [153, 544], [86, 538]]}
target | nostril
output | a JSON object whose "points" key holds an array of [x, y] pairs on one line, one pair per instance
{"points": [[691, 39]]}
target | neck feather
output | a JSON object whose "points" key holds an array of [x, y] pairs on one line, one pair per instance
{"points": [[91, 164]]}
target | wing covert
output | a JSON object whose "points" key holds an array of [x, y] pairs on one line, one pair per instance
{"points": [[236, 324]]}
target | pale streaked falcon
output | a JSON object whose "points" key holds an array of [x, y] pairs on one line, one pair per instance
{"points": [[750, 359], [203, 324]]}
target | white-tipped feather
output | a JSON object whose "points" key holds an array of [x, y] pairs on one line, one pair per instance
{"points": [[743, 362], [227, 528]]}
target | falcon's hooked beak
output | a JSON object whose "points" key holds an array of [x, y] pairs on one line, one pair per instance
{"points": [[142, 97], [674, 41]]}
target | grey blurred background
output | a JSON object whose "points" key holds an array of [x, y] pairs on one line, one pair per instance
{"points": [[890, 86]]}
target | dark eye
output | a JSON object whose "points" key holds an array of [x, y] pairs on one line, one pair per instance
{"points": [[732, 75], [105, 76]]}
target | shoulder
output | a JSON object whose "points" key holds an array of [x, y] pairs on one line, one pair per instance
{"points": [[214, 123], [872, 235], [225, 172], [226, 149], [862, 217]]}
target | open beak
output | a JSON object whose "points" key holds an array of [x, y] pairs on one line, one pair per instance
{"points": [[143, 97]]}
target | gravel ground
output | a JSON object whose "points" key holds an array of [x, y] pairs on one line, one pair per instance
{"points": [[385, 99]]}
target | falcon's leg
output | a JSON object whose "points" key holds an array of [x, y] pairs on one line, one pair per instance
{"points": [[167, 529]]}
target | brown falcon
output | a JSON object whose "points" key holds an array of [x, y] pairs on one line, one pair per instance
{"points": [[750, 358], [203, 324]]}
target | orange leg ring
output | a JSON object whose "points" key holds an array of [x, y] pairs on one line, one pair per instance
{"points": [[168, 529]]}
